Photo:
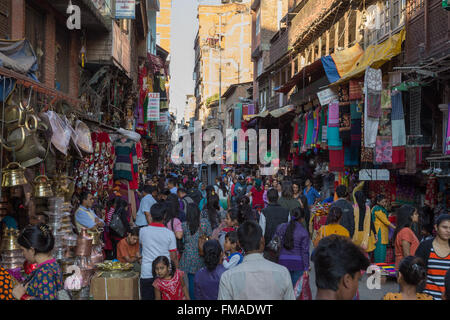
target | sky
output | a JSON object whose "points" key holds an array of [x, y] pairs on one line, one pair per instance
{"points": [[182, 55]]}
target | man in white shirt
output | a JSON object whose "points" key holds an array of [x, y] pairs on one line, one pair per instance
{"points": [[143, 215], [255, 278], [155, 240]]}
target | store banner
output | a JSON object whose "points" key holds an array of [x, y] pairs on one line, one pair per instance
{"points": [[327, 96], [153, 106], [125, 9], [163, 119]]}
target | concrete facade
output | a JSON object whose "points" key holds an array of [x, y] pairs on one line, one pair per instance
{"points": [[163, 21]]}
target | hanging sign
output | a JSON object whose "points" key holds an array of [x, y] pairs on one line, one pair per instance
{"points": [[327, 96], [153, 106], [374, 175], [125, 9]]}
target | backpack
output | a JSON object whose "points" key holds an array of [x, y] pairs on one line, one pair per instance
{"points": [[186, 200], [195, 195]]}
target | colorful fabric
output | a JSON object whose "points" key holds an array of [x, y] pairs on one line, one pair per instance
{"points": [[45, 282], [345, 124], [351, 157], [373, 101], [336, 160], [398, 133], [355, 90], [123, 164], [333, 114], [431, 192], [386, 99], [343, 93], [355, 131], [383, 150], [405, 234], [381, 223], [380, 250], [398, 296], [397, 106], [6, 285], [385, 126], [398, 156], [370, 130], [171, 289]]}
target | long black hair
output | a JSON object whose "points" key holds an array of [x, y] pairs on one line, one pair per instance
{"points": [[404, 218], [164, 260], [223, 187], [245, 210], [193, 217], [413, 270], [173, 209], [286, 190], [304, 201], [361, 201], [296, 215], [334, 215], [39, 237], [212, 254], [212, 208]]}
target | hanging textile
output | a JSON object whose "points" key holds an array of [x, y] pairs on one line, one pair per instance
{"points": [[343, 93], [123, 165], [398, 120], [336, 160], [385, 127], [383, 150], [386, 99], [355, 89], [237, 115], [411, 160], [431, 192], [398, 157], [310, 132], [366, 153], [447, 136], [295, 136], [355, 131], [351, 157], [345, 124], [333, 114], [373, 87]]}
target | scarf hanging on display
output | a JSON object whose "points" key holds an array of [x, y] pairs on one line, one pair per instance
{"points": [[447, 136], [373, 86], [355, 131], [296, 136], [398, 120], [411, 160], [351, 157], [343, 93], [366, 153], [345, 124], [355, 89], [398, 157], [431, 192], [333, 114], [386, 99], [385, 127], [336, 160], [383, 150], [310, 132]]}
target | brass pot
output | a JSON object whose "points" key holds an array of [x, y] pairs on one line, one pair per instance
{"points": [[9, 240], [42, 187], [15, 116], [29, 150], [13, 177]]}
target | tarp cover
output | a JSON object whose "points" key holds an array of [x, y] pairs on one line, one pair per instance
{"points": [[18, 55]]}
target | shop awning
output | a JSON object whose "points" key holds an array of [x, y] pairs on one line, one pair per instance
{"points": [[375, 56], [282, 111], [341, 62], [262, 114]]}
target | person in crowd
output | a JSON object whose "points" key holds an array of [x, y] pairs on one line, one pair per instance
{"points": [[257, 192], [348, 218], [255, 278], [194, 227], [426, 232], [436, 255], [85, 217], [212, 211], [128, 248], [143, 217], [172, 185], [364, 235], [162, 196], [310, 193], [272, 216], [405, 240], [40, 217], [121, 209], [233, 256], [172, 219], [266, 189], [245, 210], [207, 279], [184, 200], [338, 263], [333, 226], [155, 240], [37, 243], [230, 223], [296, 192], [6, 285], [279, 189], [286, 200], [446, 293], [412, 272], [382, 224], [193, 192], [240, 189], [169, 282], [304, 205], [224, 199], [209, 190], [294, 252]]}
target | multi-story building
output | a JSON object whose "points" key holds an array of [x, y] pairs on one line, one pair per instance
{"points": [[163, 24], [223, 53]]}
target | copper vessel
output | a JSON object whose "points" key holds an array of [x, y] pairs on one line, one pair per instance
{"points": [[84, 244], [97, 255]]}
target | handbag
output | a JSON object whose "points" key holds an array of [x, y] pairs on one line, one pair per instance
{"points": [[302, 289], [272, 252], [116, 225]]}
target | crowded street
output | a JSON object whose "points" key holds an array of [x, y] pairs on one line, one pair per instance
{"points": [[224, 150]]}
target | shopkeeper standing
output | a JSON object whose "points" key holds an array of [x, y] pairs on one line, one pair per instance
{"points": [[85, 217]]}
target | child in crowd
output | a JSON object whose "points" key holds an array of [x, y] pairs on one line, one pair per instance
{"points": [[412, 272], [230, 223], [128, 248], [169, 283], [234, 256]]}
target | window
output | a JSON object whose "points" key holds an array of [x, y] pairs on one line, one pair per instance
{"points": [[158, 39], [260, 66], [398, 13], [35, 33], [258, 22]]}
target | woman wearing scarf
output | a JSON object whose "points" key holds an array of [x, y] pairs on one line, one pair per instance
{"points": [[202, 189], [382, 224]]}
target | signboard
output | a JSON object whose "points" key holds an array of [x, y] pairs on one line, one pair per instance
{"points": [[125, 9], [153, 106], [327, 96], [163, 119], [374, 175]]}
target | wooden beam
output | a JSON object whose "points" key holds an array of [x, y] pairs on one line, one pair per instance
{"points": [[346, 25], [320, 47], [327, 42], [336, 36], [313, 56]]}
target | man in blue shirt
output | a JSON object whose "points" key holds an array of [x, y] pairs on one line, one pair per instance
{"points": [[171, 184], [143, 217], [310, 193], [85, 217]]}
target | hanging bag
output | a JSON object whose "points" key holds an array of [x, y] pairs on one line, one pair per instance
{"points": [[117, 225], [302, 289]]}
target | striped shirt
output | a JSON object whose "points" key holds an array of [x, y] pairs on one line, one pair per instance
{"points": [[437, 268]]}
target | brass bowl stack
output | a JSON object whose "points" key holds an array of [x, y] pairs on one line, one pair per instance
{"points": [[11, 254]]}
